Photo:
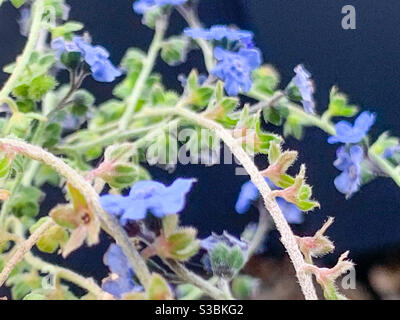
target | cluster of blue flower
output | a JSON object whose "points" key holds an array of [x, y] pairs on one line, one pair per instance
{"points": [[234, 65], [350, 156], [96, 57]]}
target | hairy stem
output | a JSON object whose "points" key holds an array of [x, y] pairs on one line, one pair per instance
{"points": [[23, 60], [86, 283], [22, 249], [92, 198], [148, 65], [190, 277]]}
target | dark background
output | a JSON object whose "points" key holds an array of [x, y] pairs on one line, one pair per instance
{"points": [[364, 63]]}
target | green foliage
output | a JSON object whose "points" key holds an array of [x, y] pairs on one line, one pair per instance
{"points": [[53, 238], [34, 82], [26, 202], [66, 30], [226, 261], [265, 80], [338, 105], [174, 50]]}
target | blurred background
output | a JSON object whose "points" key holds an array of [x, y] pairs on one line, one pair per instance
{"points": [[363, 63]]}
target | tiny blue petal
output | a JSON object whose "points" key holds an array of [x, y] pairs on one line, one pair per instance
{"points": [[220, 32], [142, 6], [149, 196], [122, 279], [346, 133], [96, 57], [349, 162], [303, 82]]}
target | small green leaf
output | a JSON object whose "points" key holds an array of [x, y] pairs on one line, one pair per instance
{"points": [[338, 105], [174, 50]]}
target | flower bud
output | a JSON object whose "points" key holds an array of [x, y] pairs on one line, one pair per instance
{"points": [[227, 255]]}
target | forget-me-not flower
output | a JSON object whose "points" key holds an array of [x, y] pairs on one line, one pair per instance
{"points": [[346, 133], [142, 6], [349, 161], [147, 196], [235, 68], [121, 280], [220, 32], [249, 193], [303, 82], [96, 57]]}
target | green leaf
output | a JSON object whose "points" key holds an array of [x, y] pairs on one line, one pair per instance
{"points": [[5, 165], [26, 202], [46, 174], [52, 135], [338, 105], [265, 80], [53, 238], [66, 30], [174, 50], [293, 126]]}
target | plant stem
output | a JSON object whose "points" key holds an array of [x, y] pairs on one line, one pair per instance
{"points": [[148, 65], [197, 281], [86, 283], [224, 285], [192, 20], [23, 60], [5, 208], [92, 198], [22, 249], [385, 166], [261, 232]]}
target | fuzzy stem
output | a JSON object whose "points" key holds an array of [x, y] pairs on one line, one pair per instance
{"points": [[86, 283], [23, 60], [22, 249], [92, 198], [197, 281], [148, 65]]}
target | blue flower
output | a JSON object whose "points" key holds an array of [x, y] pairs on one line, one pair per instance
{"points": [[142, 6], [303, 82], [249, 193], [346, 133], [147, 196], [219, 33], [349, 161], [96, 57], [235, 68], [211, 242], [121, 280]]}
